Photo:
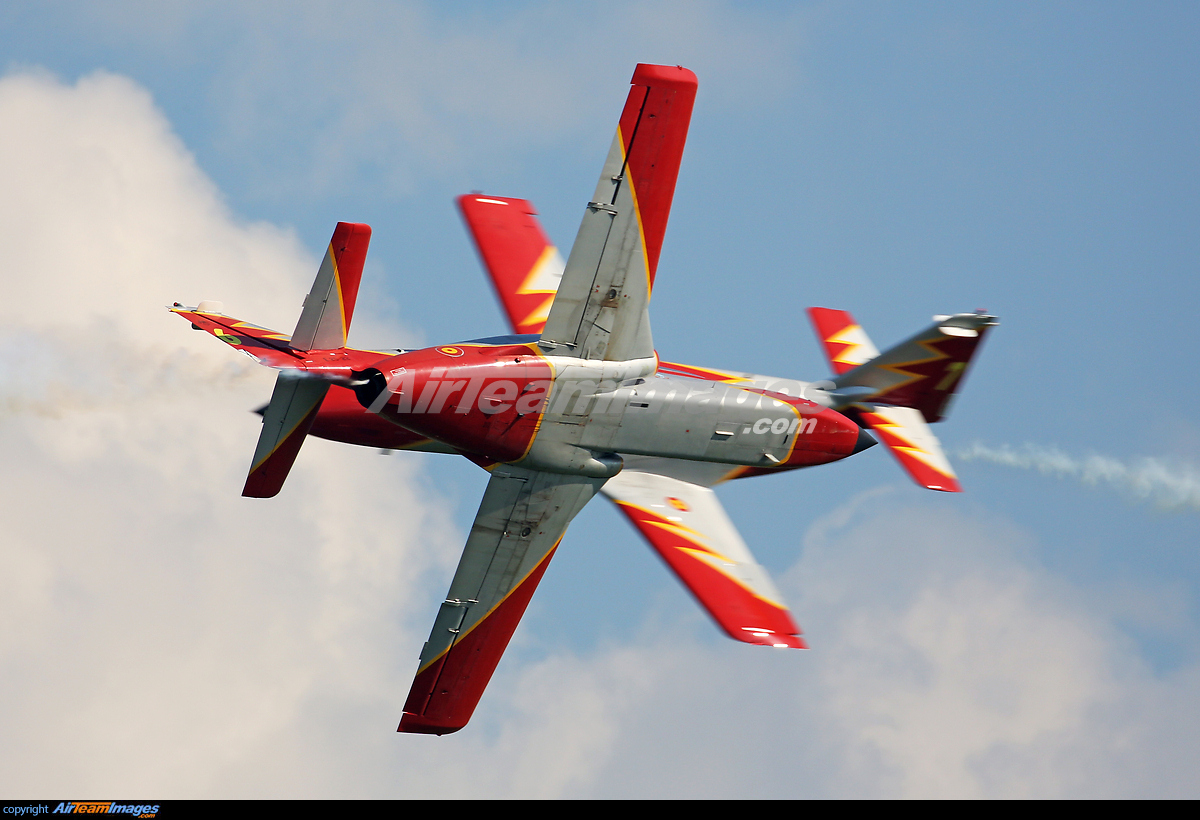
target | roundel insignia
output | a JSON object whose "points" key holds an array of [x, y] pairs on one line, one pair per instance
{"points": [[451, 351], [679, 504]]}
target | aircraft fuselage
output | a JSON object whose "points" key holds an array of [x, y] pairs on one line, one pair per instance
{"points": [[511, 403]]}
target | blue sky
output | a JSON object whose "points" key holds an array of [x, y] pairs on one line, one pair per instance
{"points": [[1038, 160]]}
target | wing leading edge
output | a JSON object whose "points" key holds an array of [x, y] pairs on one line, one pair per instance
{"points": [[520, 522]]}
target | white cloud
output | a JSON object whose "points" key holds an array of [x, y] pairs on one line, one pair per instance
{"points": [[158, 626], [163, 635]]}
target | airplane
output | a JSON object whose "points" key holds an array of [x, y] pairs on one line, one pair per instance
{"points": [[576, 402]]}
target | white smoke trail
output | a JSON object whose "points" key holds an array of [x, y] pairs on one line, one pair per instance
{"points": [[55, 375], [1170, 485]]}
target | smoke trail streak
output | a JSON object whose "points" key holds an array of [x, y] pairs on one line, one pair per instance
{"points": [[1167, 484], [52, 377]]}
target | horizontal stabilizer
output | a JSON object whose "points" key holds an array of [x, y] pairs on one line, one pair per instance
{"points": [[688, 528], [906, 434], [329, 307], [265, 346], [286, 422]]}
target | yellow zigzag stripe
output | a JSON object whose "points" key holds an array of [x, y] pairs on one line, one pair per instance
{"points": [[709, 560], [701, 551], [894, 430], [860, 349], [542, 312], [898, 369]]}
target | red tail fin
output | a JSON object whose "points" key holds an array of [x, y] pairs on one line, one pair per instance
{"points": [[925, 370]]}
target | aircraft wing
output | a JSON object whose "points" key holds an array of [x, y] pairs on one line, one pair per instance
{"points": [[520, 523], [525, 268], [600, 311], [688, 528]]}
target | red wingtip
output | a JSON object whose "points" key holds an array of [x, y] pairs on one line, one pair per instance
{"points": [[349, 243], [656, 116], [511, 243], [445, 693], [418, 725], [777, 640], [669, 75]]}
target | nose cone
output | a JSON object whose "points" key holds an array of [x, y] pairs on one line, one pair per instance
{"points": [[865, 441], [835, 437]]}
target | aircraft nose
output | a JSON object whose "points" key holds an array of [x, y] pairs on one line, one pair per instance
{"points": [[865, 441]]}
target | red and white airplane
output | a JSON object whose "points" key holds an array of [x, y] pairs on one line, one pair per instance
{"points": [[577, 402]]}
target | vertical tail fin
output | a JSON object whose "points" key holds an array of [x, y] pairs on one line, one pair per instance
{"points": [[925, 370], [329, 306]]}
